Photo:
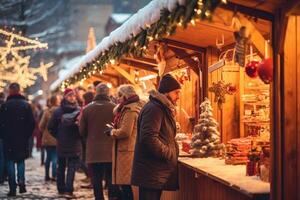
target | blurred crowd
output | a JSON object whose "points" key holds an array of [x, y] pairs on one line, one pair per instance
{"points": [[116, 139]]}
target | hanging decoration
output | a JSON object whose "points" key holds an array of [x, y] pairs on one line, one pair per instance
{"points": [[137, 45], [265, 70], [252, 65], [14, 67], [251, 69], [265, 67], [220, 89], [241, 39], [159, 56], [182, 75]]}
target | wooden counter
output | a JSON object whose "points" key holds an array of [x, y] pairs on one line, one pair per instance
{"points": [[211, 179]]}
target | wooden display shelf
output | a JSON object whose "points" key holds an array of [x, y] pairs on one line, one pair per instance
{"points": [[210, 178], [257, 88], [256, 121], [256, 102]]}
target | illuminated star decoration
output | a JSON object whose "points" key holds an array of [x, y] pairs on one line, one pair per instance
{"points": [[221, 89], [14, 66]]}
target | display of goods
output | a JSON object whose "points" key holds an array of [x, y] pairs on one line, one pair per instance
{"points": [[237, 151], [186, 146], [251, 168], [264, 164]]}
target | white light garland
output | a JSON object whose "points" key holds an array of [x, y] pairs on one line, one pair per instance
{"points": [[14, 67]]}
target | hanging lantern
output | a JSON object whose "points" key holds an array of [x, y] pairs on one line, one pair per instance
{"points": [[251, 69], [265, 70]]}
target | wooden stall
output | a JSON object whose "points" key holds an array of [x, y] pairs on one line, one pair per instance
{"points": [[201, 55]]}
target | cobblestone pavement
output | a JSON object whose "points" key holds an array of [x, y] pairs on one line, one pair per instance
{"points": [[37, 188]]}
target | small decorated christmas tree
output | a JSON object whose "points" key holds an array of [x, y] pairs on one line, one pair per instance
{"points": [[206, 138]]}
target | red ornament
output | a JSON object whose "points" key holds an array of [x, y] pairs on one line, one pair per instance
{"points": [[251, 69], [231, 89], [265, 70]]}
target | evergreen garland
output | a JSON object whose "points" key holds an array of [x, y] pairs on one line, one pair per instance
{"points": [[137, 45]]}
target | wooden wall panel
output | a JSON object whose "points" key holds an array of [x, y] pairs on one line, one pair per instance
{"points": [[212, 57], [290, 111], [231, 109], [195, 186], [298, 102], [188, 103], [228, 117]]}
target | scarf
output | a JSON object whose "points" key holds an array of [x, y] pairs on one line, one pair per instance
{"points": [[162, 99], [117, 118]]}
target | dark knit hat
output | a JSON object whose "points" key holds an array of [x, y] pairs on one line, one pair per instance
{"points": [[68, 91], [168, 83]]}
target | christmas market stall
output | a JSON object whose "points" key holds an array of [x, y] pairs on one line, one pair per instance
{"points": [[233, 133]]}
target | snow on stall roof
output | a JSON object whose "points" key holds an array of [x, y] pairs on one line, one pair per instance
{"points": [[144, 17], [68, 66], [120, 17]]}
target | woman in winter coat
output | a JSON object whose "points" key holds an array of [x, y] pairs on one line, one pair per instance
{"points": [[124, 135], [48, 141]]}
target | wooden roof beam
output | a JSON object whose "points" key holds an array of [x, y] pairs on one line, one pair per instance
{"points": [[184, 46], [248, 11], [113, 81], [148, 61], [124, 73], [139, 65], [182, 54]]}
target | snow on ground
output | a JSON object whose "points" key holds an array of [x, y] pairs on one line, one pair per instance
{"points": [[37, 188]]}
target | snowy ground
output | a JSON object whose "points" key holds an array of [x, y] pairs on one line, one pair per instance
{"points": [[37, 188]]}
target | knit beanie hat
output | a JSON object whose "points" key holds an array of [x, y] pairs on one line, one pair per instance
{"points": [[168, 84], [102, 89], [127, 90], [68, 91]]}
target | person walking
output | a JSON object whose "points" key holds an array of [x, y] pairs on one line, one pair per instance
{"points": [[48, 141], [16, 126], [2, 161], [124, 135], [63, 126], [93, 122], [156, 151]]}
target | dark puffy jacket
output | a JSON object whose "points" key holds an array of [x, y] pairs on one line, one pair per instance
{"points": [[156, 151], [16, 126], [67, 136]]}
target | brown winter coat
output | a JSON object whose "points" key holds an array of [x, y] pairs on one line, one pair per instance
{"points": [[156, 151], [124, 141], [92, 125], [47, 138]]}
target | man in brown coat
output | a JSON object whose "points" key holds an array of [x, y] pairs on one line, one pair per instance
{"points": [[99, 145], [156, 151]]}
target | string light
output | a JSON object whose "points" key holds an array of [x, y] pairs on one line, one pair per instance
{"points": [[193, 22], [150, 38], [207, 13], [136, 43], [112, 61], [14, 67]]}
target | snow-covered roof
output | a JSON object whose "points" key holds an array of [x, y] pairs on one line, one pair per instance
{"points": [[120, 18], [68, 67], [133, 26]]}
